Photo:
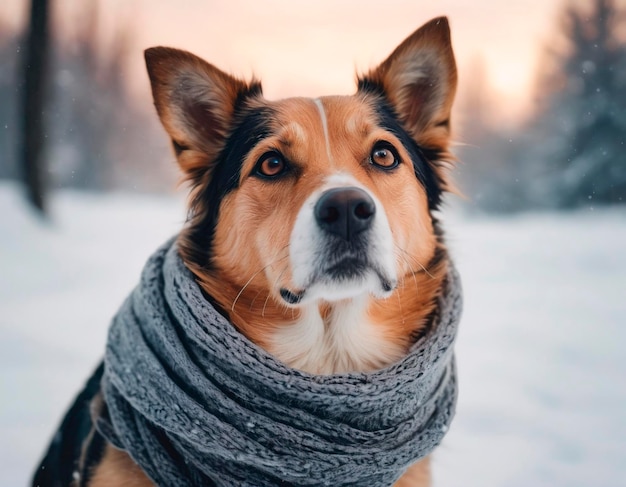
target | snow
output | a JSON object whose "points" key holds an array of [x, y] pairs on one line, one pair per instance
{"points": [[542, 372]]}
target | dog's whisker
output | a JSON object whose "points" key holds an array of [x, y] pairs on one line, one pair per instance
{"points": [[232, 308], [401, 310], [276, 281], [280, 276], [265, 305], [426, 271], [254, 299], [411, 269]]}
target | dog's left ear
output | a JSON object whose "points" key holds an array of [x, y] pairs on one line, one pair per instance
{"points": [[419, 81], [197, 105]]}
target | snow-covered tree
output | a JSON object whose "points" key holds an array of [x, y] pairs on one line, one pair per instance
{"points": [[578, 138]]}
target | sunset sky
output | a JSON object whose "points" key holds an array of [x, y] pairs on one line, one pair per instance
{"points": [[315, 47]]}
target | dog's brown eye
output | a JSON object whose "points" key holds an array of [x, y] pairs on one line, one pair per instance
{"points": [[271, 164], [384, 156]]}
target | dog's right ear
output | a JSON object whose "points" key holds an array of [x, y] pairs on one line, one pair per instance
{"points": [[419, 81], [196, 103]]}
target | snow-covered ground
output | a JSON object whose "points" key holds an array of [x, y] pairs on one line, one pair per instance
{"points": [[541, 350]]}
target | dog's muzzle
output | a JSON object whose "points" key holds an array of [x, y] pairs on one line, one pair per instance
{"points": [[341, 246]]}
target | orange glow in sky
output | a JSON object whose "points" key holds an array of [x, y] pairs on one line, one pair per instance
{"points": [[314, 48]]}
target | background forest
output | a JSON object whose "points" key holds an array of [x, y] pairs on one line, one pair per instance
{"points": [[568, 152], [571, 151], [96, 137]]}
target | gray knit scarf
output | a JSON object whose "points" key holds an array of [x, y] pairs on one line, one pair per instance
{"points": [[195, 403]]}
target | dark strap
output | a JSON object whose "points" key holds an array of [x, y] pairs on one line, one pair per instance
{"points": [[61, 464], [93, 446]]}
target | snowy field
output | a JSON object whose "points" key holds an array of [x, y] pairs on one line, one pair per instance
{"points": [[541, 352]]}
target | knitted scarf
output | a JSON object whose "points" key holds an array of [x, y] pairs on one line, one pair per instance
{"points": [[195, 403]]}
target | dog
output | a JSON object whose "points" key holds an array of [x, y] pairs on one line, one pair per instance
{"points": [[312, 222]]}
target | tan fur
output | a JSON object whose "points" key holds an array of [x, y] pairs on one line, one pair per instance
{"points": [[417, 475], [117, 469], [249, 259]]}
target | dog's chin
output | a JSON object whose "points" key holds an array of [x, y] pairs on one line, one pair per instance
{"points": [[335, 286]]}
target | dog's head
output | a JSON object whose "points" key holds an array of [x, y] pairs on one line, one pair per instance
{"points": [[311, 199]]}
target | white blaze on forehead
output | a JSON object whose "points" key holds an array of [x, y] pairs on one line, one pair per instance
{"points": [[342, 178], [322, 112]]}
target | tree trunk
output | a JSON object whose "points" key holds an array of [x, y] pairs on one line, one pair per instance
{"points": [[33, 100]]}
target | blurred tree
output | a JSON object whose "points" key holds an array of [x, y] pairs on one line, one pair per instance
{"points": [[101, 138], [32, 109], [9, 50], [98, 136], [91, 100], [488, 175], [579, 136]]}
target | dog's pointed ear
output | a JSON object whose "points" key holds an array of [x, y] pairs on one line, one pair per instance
{"points": [[196, 103], [419, 81]]}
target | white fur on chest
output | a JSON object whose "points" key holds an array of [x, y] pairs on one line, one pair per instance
{"points": [[346, 342]]}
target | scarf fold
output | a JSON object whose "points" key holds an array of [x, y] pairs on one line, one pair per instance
{"points": [[195, 403]]}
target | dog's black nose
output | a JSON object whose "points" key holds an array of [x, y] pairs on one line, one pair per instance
{"points": [[345, 212]]}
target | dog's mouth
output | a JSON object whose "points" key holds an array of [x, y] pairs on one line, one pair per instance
{"points": [[346, 268], [343, 278], [291, 297]]}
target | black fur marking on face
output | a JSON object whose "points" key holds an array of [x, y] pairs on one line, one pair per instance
{"points": [[251, 126], [178, 147], [366, 85], [421, 157]]}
